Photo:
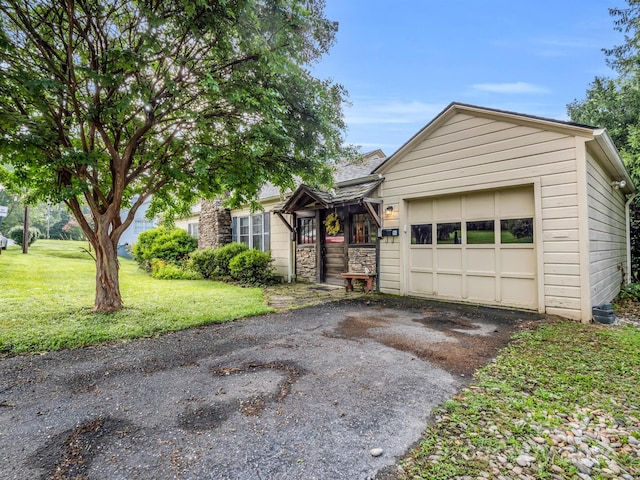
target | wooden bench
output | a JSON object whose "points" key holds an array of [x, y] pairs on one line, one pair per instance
{"points": [[349, 277]]}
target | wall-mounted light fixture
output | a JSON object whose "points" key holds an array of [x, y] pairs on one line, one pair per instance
{"points": [[389, 211], [617, 184]]}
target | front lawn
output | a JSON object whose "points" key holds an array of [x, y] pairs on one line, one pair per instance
{"points": [[46, 298]]}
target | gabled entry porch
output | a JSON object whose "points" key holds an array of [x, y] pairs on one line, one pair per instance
{"points": [[334, 232]]}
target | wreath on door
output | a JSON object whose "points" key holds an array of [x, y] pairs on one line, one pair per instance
{"points": [[332, 224]]}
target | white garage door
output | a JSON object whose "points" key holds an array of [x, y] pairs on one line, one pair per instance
{"points": [[477, 247]]}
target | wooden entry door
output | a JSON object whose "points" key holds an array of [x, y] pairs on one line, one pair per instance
{"points": [[334, 252]]}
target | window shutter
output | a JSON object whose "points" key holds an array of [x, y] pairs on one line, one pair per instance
{"points": [[234, 229], [267, 233]]}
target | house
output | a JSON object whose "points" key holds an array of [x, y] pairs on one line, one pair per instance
{"points": [[481, 206], [273, 229], [337, 231], [140, 224]]}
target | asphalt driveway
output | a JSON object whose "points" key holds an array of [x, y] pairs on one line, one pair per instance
{"points": [[304, 394]]}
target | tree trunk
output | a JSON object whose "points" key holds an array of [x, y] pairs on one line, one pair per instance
{"points": [[108, 298]]}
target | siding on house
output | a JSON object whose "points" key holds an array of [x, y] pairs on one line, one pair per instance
{"points": [[607, 234], [184, 222], [280, 237], [468, 153]]}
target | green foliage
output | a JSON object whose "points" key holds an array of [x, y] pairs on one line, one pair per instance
{"points": [[614, 104], [141, 250], [630, 292], [162, 270], [47, 297], [225, 254], [204, 262], [252, 267], [545, 375], [17, 234], [107, 104], [171, 245]]}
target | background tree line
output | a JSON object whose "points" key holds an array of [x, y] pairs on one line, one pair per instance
{"points": [[614, 104]]}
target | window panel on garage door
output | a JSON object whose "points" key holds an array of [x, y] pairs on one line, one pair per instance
{"points": [[476, 247]]}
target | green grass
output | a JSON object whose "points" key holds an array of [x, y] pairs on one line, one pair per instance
{"points": [[46, 299], [475, 237], [556, 369]]}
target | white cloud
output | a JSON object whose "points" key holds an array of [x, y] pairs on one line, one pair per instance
{"points": [[391, 112], [572, 43], [515, 87]]}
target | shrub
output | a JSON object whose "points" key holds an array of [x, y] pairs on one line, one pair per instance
{"points": [[204, 262], [172, 245], [252, 267], [16, 234], [225, 254], [169, 271], [630, 292], [141, 250]]}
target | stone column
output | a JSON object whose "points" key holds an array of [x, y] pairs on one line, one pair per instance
{"points": [[306, 263], [215, 225]]}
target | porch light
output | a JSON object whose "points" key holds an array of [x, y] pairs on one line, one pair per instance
{"points": [[618, 184], [389, 211]]}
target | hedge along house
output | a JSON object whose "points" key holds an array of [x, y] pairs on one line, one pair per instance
{"points": [[500, 208]]}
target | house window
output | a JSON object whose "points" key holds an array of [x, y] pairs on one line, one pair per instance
{"points": [[244, 230], [480, 232], [518, 230], [449, 233], [140, 226], [252, 230], [363, 229], [193, 229], [307, 231], [421, 234]]}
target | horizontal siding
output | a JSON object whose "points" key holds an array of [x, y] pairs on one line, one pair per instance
{"points": [[390, 268], [607, 234], [468, 153], [280, 245], [469, 171], [183, 223]]}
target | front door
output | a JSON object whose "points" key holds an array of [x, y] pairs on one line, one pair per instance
{"points": [[333, 248]]}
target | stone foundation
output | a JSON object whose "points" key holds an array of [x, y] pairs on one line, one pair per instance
{"points": [[306, 263], [361, 257], [215, 225]]}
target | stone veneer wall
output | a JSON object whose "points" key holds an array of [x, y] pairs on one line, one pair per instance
{"points": [[360, 257], [306, 263], [215, 225]]}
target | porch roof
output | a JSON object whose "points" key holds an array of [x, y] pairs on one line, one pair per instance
{"points": [[307, 198]]}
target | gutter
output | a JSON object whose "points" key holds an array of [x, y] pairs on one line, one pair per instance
{"points": [[628, 225], [617, 168]]}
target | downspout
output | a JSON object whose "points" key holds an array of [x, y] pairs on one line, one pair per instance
{"points": [[628, 225]]}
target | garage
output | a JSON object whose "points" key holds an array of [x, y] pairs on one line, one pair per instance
{"points": [[477, 247], [501, 208]]}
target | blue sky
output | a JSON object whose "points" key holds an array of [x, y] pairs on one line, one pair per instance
{"points": [[403, 61]]}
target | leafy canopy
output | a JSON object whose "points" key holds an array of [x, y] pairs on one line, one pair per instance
{"points": [[107, 102], [615, 105]]}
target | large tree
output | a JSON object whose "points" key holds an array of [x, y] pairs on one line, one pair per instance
{"points": [[615, 105], [104, 103]]}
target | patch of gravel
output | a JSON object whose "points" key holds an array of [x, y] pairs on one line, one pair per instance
{"points": [[589, 440]]}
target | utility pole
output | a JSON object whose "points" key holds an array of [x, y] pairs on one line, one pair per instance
{"points": [[25, 231]]}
